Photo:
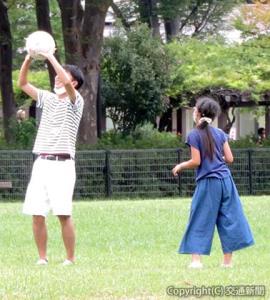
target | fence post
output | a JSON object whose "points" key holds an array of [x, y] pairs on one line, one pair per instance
{"points": [[108, 183], [250, 171], [179, 177]]}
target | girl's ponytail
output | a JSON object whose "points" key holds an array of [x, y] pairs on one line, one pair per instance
{"points": [[207, 138]]}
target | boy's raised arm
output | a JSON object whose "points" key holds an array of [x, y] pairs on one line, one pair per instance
{"points": [[23, 83], [62, 74]]}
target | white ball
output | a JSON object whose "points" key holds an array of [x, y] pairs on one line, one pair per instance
{"points": [[39, 41]]}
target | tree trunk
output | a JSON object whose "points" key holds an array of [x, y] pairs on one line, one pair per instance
{"points": [[148, 14], [9, 106], [154, 20], [267, 121], [101, 112], [225, 115], [83, 38], [71, 15], [91, 41], [144, 12], [44, 23], [222, 120], [120, 16], [172, 28]]}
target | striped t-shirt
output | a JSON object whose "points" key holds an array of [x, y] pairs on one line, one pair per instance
{"points": [[59, 124]]}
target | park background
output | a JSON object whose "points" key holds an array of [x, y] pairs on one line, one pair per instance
{"points": [[145, 63]]}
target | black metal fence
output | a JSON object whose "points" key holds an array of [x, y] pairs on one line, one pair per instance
{"points": [[135, 173]]}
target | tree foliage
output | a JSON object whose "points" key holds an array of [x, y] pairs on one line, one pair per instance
{"points": [[254, 20], [79, 24], [135, 66], [202, 65], [83, 28], [180, 17], [23, 21], [197, 16], [143, 137], [135, 76]]}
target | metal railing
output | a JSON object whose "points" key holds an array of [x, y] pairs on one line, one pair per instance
{"points": [[135, 173]]}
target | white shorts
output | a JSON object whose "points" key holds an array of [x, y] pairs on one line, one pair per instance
{"points": [[50, 188]]}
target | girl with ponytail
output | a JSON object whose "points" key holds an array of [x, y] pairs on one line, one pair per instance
{"points": [[215, 201]]}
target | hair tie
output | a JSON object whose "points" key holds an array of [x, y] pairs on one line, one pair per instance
{"points": [[205, 119]]}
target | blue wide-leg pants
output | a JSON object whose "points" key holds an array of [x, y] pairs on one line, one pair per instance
{"points": [[216, 203]]}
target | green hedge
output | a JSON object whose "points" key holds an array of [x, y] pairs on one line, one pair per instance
{"points": [[145, 137]]}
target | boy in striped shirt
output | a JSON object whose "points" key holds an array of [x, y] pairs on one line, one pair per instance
{"points": [[53, 175]]}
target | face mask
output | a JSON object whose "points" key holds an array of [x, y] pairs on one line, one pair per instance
{"points": [[59, 91]]}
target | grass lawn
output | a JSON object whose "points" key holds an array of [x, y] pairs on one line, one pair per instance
{"points": [[125, 250]]}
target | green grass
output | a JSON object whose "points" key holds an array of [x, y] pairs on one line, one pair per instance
{"points": [[125, 250]]}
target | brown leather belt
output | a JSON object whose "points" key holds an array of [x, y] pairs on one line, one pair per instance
{"points": [[60, 157]]}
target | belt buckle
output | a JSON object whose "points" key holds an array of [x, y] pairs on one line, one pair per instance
{"points": [[51, 157]]}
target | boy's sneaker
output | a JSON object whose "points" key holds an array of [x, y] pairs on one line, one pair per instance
{"points": [[195, 265], [42, 262], [68, 262]]}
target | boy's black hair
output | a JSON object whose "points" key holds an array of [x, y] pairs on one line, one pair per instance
{"points": [[76, 73], [209, 108]]}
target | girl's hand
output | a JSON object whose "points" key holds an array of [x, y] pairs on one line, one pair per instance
{"points": [[176, 170]]}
